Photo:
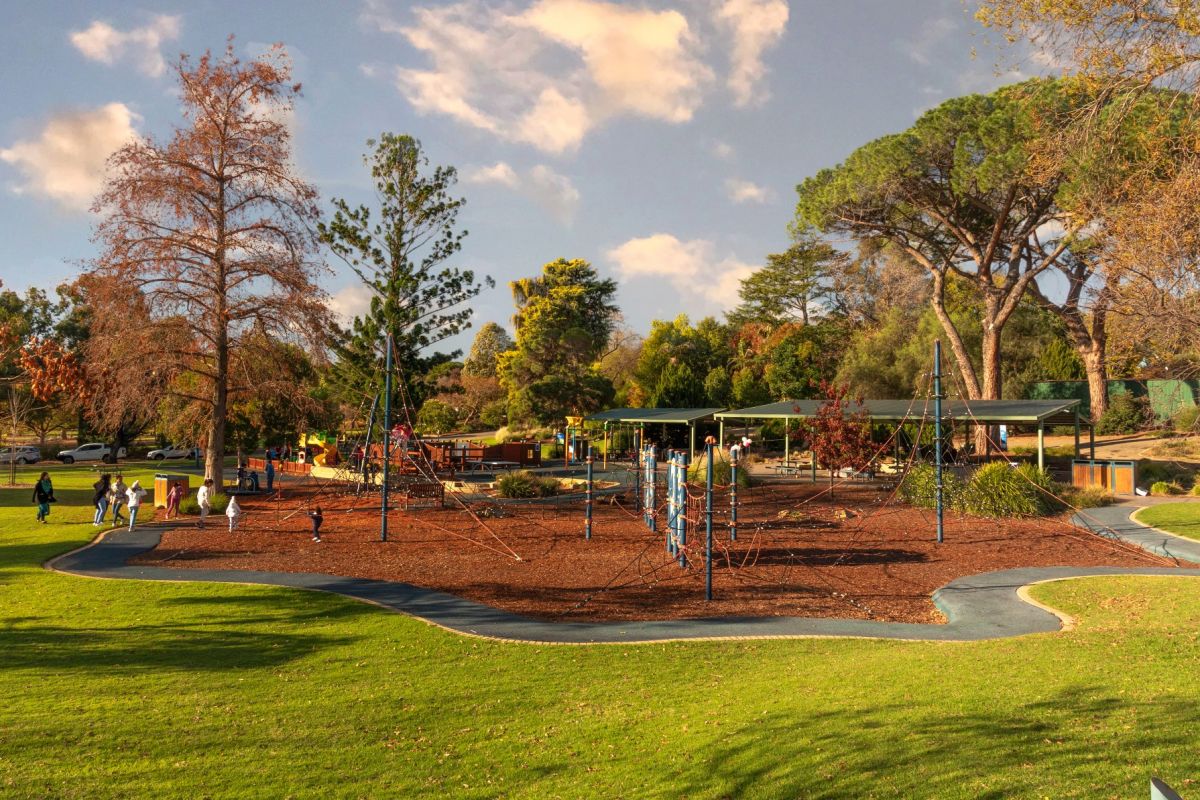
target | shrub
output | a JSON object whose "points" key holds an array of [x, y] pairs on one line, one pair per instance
{"points": [[999, 490], [919, 487], [189, 505], [1091, 497], [1162, 489], [1185, 420], [437, 417], [1126, 414], [494, 414], [698, 471], [1151, 472], [522, 484]]}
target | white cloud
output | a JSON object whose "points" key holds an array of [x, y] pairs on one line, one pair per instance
{"points": [[104, 43], [550, 73], [933, 32], [553, 192], [499, 172], [756, 26], [550, 190], [723, 150], [353, 300], [740, 191], [65, 162], [692, 267]]}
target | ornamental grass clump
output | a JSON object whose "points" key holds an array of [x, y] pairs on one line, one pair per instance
{"points": [[1164, 489], [1000, 490], [522, 485], [698, 472]]}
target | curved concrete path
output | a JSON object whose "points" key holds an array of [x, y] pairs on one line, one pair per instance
{"points": [[1116, 522], [986, 606]]}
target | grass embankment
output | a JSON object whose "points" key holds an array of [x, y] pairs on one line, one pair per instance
{"points": [[138, 689], [1181, 519]]}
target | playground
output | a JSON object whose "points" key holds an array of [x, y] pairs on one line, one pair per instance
{"points": [[800, 551]]}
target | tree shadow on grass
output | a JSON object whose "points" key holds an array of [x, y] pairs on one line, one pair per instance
{"points": [[1055, 747], [136, 648]]}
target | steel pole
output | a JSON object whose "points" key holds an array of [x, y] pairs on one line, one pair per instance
{"points": [[733, 487], [708, 516], [937, 431], [387, 433], [588, 527]]}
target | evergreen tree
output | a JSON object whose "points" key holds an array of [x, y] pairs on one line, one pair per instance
{"points": [[399, 255]]}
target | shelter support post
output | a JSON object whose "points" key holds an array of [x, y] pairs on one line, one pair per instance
{"points": [[1092, 439], [1041, 444], [786, 441], [721, 432], [691, 440], [605, 462], [1076, 431]]}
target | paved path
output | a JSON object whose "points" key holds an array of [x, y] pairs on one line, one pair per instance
{"points": [[978, 607], [1115, 522]]}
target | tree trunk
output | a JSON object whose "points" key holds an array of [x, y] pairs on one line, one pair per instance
{"points": [[214, 457], [993, 382], [1096, 367]]}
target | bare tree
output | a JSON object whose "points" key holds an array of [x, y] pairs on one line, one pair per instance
{"points": [[205, 238]]}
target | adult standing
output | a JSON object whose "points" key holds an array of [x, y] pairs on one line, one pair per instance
{"points": [[204, 499], [100, 498], [270, 470], [135, 493], [43, 495], [117, 498]]}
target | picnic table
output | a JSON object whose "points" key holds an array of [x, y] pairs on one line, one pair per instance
{"points": [[491, 466]]}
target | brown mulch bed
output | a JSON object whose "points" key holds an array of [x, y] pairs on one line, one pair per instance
{"points": [[854, 555]]}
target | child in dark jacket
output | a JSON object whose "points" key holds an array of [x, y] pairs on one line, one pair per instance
{"points": [[317, 519]]}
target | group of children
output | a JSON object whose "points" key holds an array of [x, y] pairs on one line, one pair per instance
{"points": [[109, 494]]}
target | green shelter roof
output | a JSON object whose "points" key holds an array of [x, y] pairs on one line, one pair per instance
{"points": [[669, 416], [1055, 412]]}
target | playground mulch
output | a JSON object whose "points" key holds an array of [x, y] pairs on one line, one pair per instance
{"points": [[799, 552]]}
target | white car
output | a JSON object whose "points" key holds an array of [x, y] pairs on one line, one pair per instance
{"points": [[21, 455], [93, 451], [174, 451]]}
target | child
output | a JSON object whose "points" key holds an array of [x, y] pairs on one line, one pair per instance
{"points": [[174, 498], [204, 499], [43, 495], [100, 498], [233, 511], [317, 519], [117, 495], [135, 493]]}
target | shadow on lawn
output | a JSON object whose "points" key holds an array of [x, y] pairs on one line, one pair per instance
{"points": [[1052, 747], [188, 645]]}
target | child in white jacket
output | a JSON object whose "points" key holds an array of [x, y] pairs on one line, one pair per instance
{"points": [[234, 512], [134, 493]]}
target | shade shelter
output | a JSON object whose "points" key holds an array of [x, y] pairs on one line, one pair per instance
{"points": [[656, 416], [1034, 413]]}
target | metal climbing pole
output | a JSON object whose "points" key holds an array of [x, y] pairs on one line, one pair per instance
{"points": [[651, 484], [681, 503], [387, 434], [937, 430], [672, 512], [587, 534], [733, 486], [708, 519]]}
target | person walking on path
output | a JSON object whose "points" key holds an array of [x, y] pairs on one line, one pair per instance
{"points": [[204, 499], [135, 493], [234, 512], [100, 498], [117, 498], [43, 495], [270, 470], [317, 519], [174, 498]]}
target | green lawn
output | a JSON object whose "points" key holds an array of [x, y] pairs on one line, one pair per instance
{"points": [[1182, 519], [131, 689]]}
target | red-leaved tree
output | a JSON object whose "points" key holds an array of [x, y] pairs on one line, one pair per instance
{"points": [[839, 436], [208, 246]]}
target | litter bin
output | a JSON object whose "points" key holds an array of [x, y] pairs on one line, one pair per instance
{"points": [[162, 485]]}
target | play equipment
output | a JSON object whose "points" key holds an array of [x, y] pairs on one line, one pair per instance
{"points": [[322, 446]]}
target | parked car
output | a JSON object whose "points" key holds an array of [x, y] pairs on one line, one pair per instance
{"points": [[93, 451], [174, 451], [21, 455]]}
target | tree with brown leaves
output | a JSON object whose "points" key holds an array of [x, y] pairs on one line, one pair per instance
{"points": [[205, 238]]}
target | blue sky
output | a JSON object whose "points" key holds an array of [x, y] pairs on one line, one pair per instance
{"points": [[662, 142]]}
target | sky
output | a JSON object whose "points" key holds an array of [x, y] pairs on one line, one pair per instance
{"points": [[662, 142]]}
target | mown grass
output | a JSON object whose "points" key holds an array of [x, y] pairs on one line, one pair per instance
{"points": [[1182, 519], [138, 689]]}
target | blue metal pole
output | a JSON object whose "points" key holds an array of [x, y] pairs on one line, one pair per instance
{"points": [[937, 430], [638, 461], [733, 465], [387, 432], [652, 488], [588, 528], [682, 505], [708, 514], [672, 516]]}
